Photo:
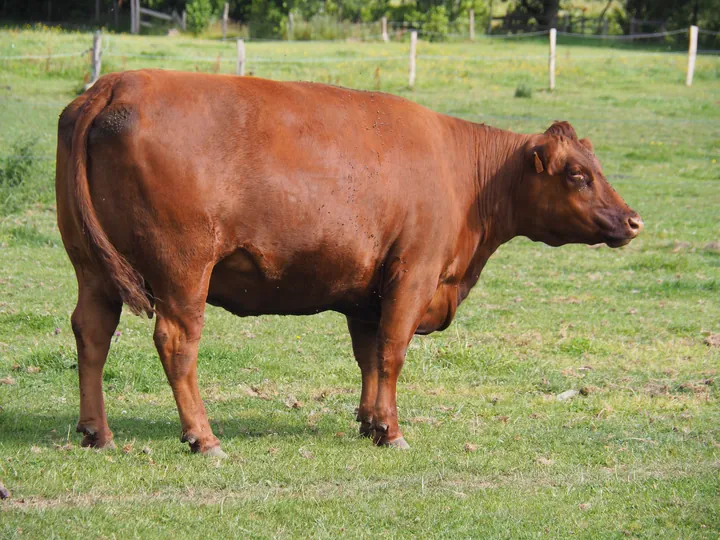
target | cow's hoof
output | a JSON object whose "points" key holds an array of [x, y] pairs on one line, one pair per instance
{"points": [[216, 452], [380, 437], [101, 440], [208, 447], [399, 443], [366, 429]]}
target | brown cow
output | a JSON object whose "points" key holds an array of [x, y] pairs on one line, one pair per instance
{"points": [[177, 189]]}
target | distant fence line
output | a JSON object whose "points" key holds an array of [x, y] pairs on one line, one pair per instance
{"points": [[241, 60]]}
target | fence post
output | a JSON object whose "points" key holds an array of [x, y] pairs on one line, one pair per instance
{"points": [[553, 41], [183, 25], [97, 47], [135, 16], [224, 20], [490, 17], [413, 47], [383, 22], [132, 17], [240, 68], [692, 53], [472, 24], [291, 23]]}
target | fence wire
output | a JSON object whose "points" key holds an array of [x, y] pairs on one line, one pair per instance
{"points": [[625, 37], [110, 50]]}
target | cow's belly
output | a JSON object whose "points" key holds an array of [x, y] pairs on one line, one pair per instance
{"points": [[240, 285], [247, 285]]}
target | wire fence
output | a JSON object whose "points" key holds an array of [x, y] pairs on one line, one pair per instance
{"points": [[294, 60], [112, 48]]}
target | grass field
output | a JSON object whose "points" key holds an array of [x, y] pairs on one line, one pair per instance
{"points": [[495, 454]]}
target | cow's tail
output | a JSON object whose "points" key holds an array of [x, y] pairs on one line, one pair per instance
{"points": [[127, 280]]}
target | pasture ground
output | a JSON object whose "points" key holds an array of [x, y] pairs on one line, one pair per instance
{"points": [[494, 453]]}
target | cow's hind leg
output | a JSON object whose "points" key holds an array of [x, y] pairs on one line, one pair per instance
{"points": [[364, 342], [180, 319], [94, 322]]}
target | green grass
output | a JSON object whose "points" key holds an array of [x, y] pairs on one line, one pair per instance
{"points": [[636, 453]]}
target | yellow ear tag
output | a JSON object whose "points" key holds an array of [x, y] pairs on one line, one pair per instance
{"points": [[538, 164]]}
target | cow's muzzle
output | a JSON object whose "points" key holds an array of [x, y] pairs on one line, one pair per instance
{"points": [[633, 224]]}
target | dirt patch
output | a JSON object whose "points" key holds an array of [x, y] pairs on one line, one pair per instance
{"points": [[680, 246]]}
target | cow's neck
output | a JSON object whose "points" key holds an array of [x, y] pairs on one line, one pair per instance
{"points": [[492, 221]]}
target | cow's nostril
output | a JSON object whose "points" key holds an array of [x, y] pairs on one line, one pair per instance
{"points": [[635, 223]]}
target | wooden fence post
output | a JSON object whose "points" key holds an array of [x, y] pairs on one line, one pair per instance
{"points": [[291, 23], [553, 41], [240, 67], [96, 48], [490, 17], [692, 53], [383, 22], [413, 48], [225, 20], [183, 25], [135, 16], [472, 24]]}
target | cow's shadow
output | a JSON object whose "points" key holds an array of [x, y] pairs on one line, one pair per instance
{"points": [[31, 429]]}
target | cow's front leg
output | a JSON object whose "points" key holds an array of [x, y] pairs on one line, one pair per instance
{"points": [[402, 309], [364, 342]]}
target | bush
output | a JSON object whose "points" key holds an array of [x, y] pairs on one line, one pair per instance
{"points": [[198, 16], [436, 24], [523, 91], [24, 178], [17, 166]]}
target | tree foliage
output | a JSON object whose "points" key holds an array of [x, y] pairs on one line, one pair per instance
{"points": [[198, 15], [541, 13], [268, 18]]}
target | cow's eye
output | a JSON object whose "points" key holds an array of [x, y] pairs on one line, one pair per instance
{"points": [[577, 177]]}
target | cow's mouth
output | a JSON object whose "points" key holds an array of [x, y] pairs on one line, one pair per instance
{"points": [[616, 243], [631, 227]]}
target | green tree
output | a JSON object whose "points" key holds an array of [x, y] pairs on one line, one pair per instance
{"points": [[542, 12], [198, 16]]}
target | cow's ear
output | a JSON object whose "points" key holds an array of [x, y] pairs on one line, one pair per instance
{"points": [[587, 144], [562, 129], [539, 167], [546, 156]]}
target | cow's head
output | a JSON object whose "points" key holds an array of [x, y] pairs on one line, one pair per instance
{"points": [[564, 197]]}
